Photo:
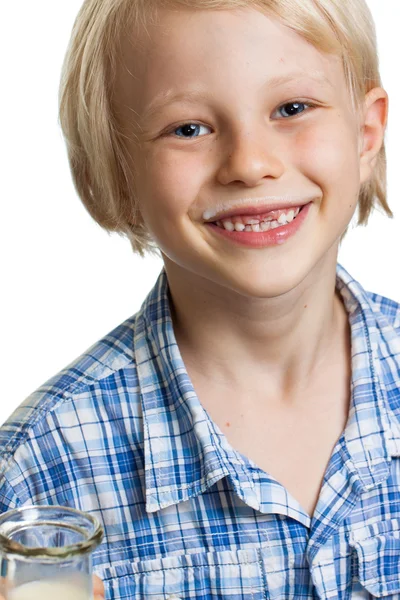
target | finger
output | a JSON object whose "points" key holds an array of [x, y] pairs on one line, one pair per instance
{"points": [[98, 587]]}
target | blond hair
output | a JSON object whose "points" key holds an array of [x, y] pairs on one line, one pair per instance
{"points": [[98, 157]]}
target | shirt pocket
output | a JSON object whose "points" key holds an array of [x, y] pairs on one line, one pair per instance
{"points": [[229, 574], [377, 548]]}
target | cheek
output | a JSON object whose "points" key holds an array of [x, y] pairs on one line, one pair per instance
{"points": [[169, 182], [329, 157]]}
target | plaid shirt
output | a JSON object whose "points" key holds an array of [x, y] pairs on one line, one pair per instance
{"points": [[121, 434]]}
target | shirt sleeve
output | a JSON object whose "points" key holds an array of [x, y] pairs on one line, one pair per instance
{"points": [[8, 498]]}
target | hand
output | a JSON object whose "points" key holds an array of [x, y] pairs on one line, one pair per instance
{"points": [[98, 589]]}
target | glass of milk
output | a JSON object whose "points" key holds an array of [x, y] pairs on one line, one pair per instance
{"points": [[46, 553]]}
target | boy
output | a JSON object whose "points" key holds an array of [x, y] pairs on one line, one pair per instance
{"points": [[239, 437]]}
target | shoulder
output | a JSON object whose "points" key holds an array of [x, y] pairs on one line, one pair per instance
{"points": [[383, 315], [390, 309], [386, 320], [381, 312], [85, 424], [83, 394], [375, 322], [387, 348]]}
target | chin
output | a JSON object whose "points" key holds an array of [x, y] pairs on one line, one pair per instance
{"points": [[264, 287], [272, 280]]}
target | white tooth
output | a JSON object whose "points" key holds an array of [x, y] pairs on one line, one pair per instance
{"points": [[248, 228], [274, 224], [282, 219], [253, 222], [228, 225], [209, 214], [239, 226], [290, 216], [256, 228], [296, 212], [265, 226]]}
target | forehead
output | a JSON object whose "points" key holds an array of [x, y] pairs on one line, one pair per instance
{"points": [[217, 52]]}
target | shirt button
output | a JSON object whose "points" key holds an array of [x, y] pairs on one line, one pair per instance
{"points": [[173, 597]]}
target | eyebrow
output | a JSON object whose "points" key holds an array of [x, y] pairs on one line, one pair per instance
{"points": [[192, 96]]}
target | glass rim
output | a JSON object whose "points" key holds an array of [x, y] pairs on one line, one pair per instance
{"points": [[8, 546]]}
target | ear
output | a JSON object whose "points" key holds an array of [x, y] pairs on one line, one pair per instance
{"points": [[373, 125]]}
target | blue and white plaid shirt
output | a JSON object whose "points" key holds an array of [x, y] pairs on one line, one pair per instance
{"points": [[121, 434]]}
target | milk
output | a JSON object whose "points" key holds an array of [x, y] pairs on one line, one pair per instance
{"points": [[50, 590]]}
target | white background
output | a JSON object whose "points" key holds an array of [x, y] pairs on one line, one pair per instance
{"points": [[66, 282]]}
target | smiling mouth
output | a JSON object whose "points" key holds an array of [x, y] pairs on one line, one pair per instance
{"points": [[259, 223]]}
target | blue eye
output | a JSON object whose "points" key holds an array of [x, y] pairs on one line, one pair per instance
{"points": [[189, 130], [295, 108]]}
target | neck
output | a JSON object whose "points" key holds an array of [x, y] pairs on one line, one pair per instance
{"points": [[249, 343]]}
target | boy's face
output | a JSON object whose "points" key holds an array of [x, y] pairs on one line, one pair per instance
{"points": [[247, 141]]}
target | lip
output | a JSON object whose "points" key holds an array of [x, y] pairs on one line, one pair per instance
{"points": [[273, 237], [255, 210]]}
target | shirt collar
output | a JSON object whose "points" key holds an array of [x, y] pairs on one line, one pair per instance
{"points": [[372, 434], [185, 453]]}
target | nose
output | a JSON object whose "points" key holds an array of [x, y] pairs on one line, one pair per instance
{"points": [[251, 157]]}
